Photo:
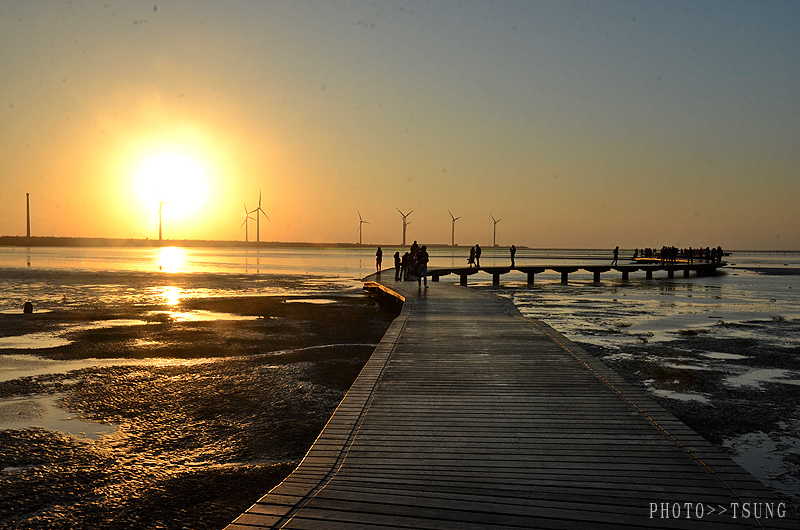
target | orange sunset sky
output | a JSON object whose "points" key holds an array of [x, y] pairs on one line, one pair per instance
{"points": [[579, 124]]}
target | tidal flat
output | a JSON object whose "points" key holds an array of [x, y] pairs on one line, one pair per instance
{"points": [[200, 406]]}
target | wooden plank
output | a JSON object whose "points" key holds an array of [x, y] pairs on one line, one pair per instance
{"points": [[469, 415]]}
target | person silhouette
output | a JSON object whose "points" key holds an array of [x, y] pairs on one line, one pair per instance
{"points": [[478, 256], [471, 259], [378, 259], [397, 264], [513, 253], [616, 256], [422, 264]]}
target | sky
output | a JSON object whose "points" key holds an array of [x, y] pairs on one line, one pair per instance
{"points": [[578, 124]]}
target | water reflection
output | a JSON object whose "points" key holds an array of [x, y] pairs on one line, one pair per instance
{"points": [[171, 259], [171, 295]]}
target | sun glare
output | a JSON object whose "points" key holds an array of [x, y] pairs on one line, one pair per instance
{"points": [[170, 259], [178, 180]]}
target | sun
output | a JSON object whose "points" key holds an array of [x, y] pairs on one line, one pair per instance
{"points": [[178, 180]]}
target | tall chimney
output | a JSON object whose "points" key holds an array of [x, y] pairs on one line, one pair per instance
{"points": [[28, 203]]}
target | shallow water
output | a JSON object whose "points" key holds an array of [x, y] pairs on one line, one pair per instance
{"points": [[23, 412]]}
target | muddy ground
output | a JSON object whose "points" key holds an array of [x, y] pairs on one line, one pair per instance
{"points": [[196, 443], [748, 407]]}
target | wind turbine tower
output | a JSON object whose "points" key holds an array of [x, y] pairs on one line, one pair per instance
{"points": [[453, 233], [494, 238], [360, 222], [161, 204], [28, 208], [406, 222], [244, 224], [259, 211]]}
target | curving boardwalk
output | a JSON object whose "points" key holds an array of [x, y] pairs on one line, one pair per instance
{"points": [[469, 416]]}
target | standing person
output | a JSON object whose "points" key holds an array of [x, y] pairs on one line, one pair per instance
{"points": [[471, 258], [378, 259], [397, 265], [616, 255], [513, 253], [478, 256], [422, 264], [404, 266]]}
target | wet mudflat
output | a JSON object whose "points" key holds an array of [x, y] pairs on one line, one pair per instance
{"points": [[206, 413]]}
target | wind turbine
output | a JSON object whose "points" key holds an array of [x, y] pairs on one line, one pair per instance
{"points": [[246, 218], [360, 222], [28, 209], [259, 211], [405, 223], [161, 204], [453, 235], [494, 239]]}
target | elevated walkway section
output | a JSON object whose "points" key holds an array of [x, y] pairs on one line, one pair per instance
{"points": [[468, 415]]}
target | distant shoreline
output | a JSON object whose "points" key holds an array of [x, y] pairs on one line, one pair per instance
{"points": [[105, 242], [101, 242]]}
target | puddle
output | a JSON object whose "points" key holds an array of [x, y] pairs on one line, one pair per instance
{"points": [[680, 396], [57, 339], [724, 356], [32, 341], [767, 457], [44, 411], [199, 315], [16, 366], [756, 378], [319, 301]]}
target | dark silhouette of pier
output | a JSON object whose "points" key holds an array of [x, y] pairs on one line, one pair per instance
{"points": [[649, 269]]}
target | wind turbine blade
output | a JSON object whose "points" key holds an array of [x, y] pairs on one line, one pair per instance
{"points": [[259, 198], [409, 213], [401, 213], [243, 222], [359, 216]]}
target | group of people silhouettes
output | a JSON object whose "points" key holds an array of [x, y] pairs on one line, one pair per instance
{"points": [[412, 265], [672, 254]]}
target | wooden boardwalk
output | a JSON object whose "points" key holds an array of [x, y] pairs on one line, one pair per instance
{"points": [[686, 269], [469, 416]]}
